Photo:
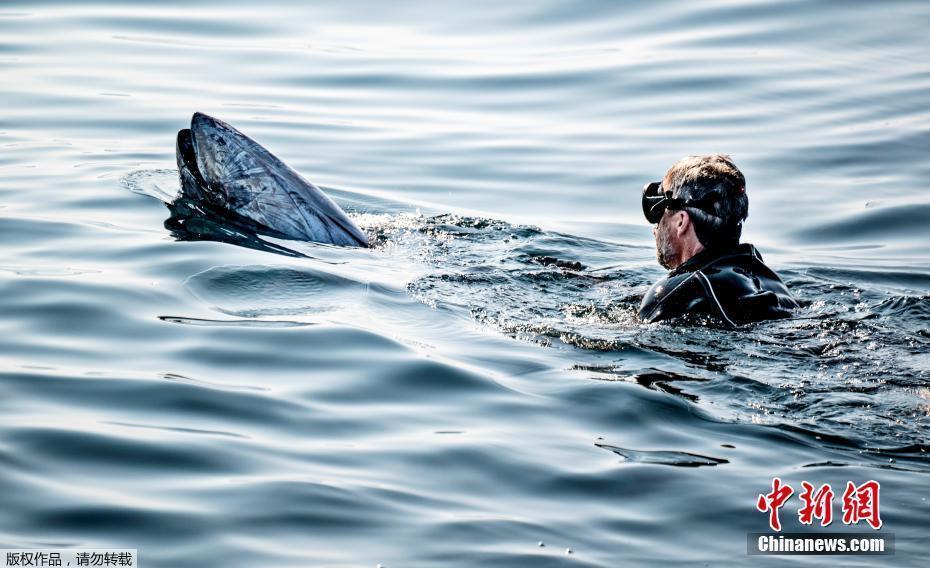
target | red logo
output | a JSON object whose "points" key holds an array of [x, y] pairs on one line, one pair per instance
{"points": [[774, 501], [817, 505], [860, 503]]}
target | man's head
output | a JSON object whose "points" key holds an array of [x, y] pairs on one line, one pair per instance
{"points": [[701, 203]]}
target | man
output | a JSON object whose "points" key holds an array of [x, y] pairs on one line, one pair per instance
{"points": [[698, 210]]}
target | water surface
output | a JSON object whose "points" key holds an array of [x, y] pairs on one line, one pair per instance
{"points": [[476, 384]]}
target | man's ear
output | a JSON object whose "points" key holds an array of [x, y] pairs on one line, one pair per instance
{"points": [[682, 222]]}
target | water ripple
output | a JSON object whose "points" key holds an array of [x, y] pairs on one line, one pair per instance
{"points": [[206, 394]]}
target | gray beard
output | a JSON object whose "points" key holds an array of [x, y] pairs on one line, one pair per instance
{"points": [[664, 251]]}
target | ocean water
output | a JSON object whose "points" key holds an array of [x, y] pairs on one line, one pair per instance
{"points": [[475, 389]]}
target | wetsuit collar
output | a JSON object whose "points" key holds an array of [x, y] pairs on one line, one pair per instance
{"points": [[712, 254]]}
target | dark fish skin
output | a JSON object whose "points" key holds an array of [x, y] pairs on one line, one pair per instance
{"points": [[193, 187], [229, 173]]}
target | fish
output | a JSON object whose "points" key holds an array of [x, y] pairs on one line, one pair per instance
{"points": [[228, 174]]}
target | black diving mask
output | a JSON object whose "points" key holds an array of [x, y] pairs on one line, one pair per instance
{"points": [[656, 200]]}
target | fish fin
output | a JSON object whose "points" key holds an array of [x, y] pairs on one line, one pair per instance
{"points": [[261, 187]]}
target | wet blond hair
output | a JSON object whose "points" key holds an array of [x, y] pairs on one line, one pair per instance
{"points": [[694, 177]]}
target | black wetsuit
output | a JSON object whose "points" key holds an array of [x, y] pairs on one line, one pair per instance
{"points": [[730, 284]]}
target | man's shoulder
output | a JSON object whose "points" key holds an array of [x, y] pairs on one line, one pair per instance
{"points": [[671, 296], [741, 263], [734, 285], [746, 288]]}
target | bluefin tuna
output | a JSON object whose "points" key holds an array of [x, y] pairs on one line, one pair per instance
{"points": [[230, 174]]}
